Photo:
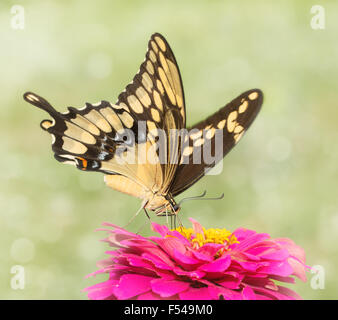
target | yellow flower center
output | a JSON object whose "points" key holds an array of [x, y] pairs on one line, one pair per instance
{"points": [[213, 235]]}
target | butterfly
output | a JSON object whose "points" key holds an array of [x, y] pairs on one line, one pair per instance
{"points": [[99, 136]]}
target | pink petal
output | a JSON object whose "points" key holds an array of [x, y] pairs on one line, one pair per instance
{"points": [[248, 294], [276, 255], [131, 285], [218, 265], [279, 268], [194, 274], [196, 226], [159, 263], [102, 290], [210, 249], [184, 259], [148, 296], [168, 288], [196, 294], [161, 229], [171, 244], [230, 280]]}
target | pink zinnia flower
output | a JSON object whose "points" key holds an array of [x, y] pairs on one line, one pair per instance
{"points": [[198, 264]]}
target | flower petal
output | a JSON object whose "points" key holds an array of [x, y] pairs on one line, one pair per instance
{"points": [[168, 288], [218, 265], [131, 285], [196, 294]]}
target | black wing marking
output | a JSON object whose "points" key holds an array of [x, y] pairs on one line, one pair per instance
{"points": [[233, 120]]}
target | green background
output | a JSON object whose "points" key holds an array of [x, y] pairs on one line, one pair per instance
{"points": [[280, 179]]}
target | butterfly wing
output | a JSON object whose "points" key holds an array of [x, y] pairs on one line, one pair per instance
{"points": [[101, 137], [156, 96], [232, 121]]}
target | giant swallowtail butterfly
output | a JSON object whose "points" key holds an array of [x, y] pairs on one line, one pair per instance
{"points": [[99, 136]]}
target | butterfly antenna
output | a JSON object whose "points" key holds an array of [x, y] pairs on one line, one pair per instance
{"points": [[192, 198], [166, 214], [201, 198]]}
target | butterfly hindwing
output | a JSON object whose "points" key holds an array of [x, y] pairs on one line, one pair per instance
{"points": [[231, 121]]}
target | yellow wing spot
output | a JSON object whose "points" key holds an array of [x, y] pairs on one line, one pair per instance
{"points": [[127, 119], [160, 86], [150, 67], [146, 81], [46, 124], [237, 136], [210, 133], [75, 132], [151, 125], [187, 151], [253, 95], [154, 46], [238, 129], [112, 118], [166, 86], [231, 124], [86, 124], [182, 111], [143, 96], [242, 108], [152, 129], [156, 115], [98, 120], [221, 124], [73, 146], [161, 43], [135, 104], [122, 105], [196, 135], [198, 142], [176, 81], [152, 56], [164, 62], [158, 100], [179, 101]]}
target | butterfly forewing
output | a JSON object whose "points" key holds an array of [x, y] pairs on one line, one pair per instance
{"points": [[157, 86], [95, 137]]}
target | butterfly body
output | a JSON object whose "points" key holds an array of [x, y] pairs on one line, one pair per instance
{"points": [[138, 142]]}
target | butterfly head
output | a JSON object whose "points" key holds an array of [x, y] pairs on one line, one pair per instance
{"points": [[163, 205]]}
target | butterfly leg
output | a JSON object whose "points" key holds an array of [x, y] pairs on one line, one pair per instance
{"points": [[142, 227], [144, 203], [166, 214], [179, 221], [146, 212]]}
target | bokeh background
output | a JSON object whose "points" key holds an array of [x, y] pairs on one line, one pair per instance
{"points": [[280, 179]]}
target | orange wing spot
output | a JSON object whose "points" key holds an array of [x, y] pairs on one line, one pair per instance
{"points": [[84, 163]]}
